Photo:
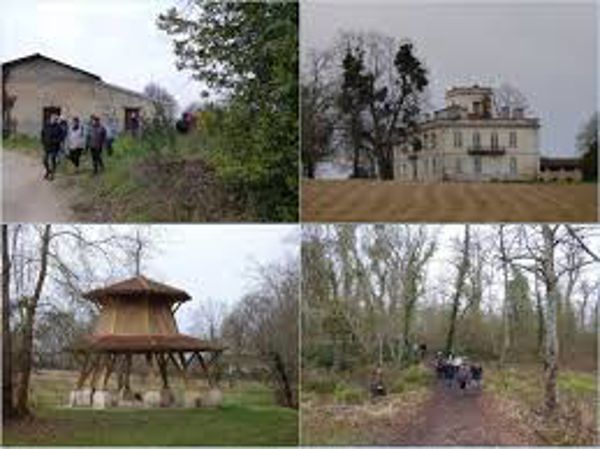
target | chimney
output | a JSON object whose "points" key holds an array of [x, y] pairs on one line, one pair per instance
{"points": [[518, 113]]}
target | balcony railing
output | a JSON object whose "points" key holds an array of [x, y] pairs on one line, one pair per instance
{"points": [[486, 151]]}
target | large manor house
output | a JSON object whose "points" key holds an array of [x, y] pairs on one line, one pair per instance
{"points": [[473, 140]]}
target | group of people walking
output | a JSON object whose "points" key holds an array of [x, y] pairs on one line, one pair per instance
{"points": [[59, 137], [458, 372]]}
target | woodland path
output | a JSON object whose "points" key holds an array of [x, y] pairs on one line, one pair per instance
{"points": [[27, 196], [455, 417]]}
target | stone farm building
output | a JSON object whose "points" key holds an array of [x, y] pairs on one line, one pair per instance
{"points": [[35, 86], [469, 140]]}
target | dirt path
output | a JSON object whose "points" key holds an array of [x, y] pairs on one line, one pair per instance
{"points": [[26, 196], [368, 200], [455, 417]]}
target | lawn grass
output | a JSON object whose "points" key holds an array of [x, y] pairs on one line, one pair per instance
{"points": [[249, 416], [228, 425]]}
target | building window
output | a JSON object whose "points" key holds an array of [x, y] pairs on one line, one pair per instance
{"points": [[433, 140], [477, 165], [457, 139], [477, 108], [513, 166], [426, 168], [476, 140], [458, 165], [494, 141], [512, 139]]}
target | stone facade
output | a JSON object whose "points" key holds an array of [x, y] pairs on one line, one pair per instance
{"points": [[468, 141], [35, 85]]}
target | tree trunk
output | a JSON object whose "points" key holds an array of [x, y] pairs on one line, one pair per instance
{"points": [[540, 317], [286, 390], [7, 387], [28, 327], [506, 304], [551, 337], [458, 288]]}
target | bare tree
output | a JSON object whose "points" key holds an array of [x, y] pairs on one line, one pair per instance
{"points": [[29, 306], [7, 387], [461, 274], [267, 320], [508, 97]]}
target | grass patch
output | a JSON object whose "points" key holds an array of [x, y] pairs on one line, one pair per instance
{"points": [[249, 416], [228, 425], [24, 144]]}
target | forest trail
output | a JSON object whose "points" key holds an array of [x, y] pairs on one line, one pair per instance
{"points": [[26, 196], [455, 417]]}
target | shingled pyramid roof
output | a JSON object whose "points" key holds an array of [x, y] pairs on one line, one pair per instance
{"points": [[136, 287]]}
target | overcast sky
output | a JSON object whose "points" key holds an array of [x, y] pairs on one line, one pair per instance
{"points": [[115, 39], [207, 261], [546, 49]]}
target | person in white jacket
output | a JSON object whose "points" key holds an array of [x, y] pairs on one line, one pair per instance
{"points": [[75, 141]]}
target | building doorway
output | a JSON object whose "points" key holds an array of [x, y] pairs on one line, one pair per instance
{"points": [[47, 112], [132, 119]]}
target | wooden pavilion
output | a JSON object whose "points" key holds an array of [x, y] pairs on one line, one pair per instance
{"points": [[137, 319]]}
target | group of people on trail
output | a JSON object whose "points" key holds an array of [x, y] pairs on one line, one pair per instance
{"points": [[458, 371], [59, 137]]}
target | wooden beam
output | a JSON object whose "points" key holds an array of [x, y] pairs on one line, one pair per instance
{"points": [[205, 369], [162, 366], [127, 380], [109, 369], [99, 365], [85, 371], [180, 368]]}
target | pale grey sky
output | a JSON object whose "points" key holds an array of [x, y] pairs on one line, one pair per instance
{"points": [[216, 261], [548, 49], [115, 39], [208, 261]]}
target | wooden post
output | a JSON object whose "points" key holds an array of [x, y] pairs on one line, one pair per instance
{"points": [[162, 366], [85, 371], [98, 366], [180, 368], [205, 369], [109, 369], [127, 380]]}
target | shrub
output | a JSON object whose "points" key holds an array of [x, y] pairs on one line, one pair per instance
{"points": [[348, 395], [322, 385]]}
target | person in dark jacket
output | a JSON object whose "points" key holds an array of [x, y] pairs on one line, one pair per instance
{"points": [[95, 142], [477, 375], [52, 137]]}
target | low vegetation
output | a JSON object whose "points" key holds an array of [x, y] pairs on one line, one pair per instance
{"points": [[249, 416], [337, 408], [24, 143], [575, 423]]}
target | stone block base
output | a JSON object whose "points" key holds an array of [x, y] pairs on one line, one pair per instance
{"points": [[102, 399], [80, 398], [214, 398], [162, 398]]}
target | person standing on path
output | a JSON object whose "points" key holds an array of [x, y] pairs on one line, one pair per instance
{"points": [[52, 136], [75, 142], [96, 139]]}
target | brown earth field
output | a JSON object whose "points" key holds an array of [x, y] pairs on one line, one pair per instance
{"points": [[383, 201]]}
